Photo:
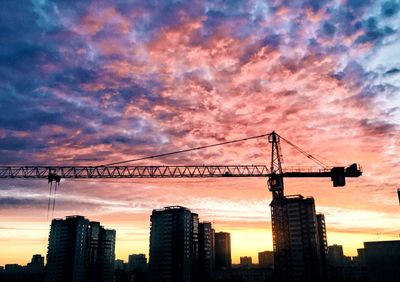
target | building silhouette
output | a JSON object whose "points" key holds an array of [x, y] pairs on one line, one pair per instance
{"points": [[206, 251], [246, 262], [266, 259], [80, 250], [323, 244], [32, 272], [137, 268], [137, 263], [222, 250], [36, 265], [336, 262], [335, 255], [297, 255], [173, 245], [382, 261]]}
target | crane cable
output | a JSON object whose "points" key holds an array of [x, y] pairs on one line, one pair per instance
{"points": [[49, 202], [56, 184], [308, 155], [186, 150], [52, 199]]}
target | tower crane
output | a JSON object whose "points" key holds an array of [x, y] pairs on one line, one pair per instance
{"points": [[275, 173]]}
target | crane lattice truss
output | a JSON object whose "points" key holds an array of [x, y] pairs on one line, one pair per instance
{"points": [[43, 172], [275, 173]]}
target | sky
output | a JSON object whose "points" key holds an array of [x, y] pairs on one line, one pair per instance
{"points": [[93, 82]]}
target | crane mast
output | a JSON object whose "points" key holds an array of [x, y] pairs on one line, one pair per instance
{"points": [[275, 180]]}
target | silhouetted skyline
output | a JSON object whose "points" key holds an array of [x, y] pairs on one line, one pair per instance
{"points": [[184, 250]]}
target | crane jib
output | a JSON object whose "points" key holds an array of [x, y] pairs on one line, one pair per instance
{"points": [[275, 172], [55, 173]]}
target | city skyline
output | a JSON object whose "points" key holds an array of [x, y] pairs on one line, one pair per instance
{"points": [[235, 258], [94, 82]]}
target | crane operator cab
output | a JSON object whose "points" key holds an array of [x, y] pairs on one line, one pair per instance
{"points": [[338, 174], [275, 183]]}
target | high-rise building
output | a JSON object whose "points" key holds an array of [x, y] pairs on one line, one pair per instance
{"points": [[80, 250], [106, 255], [297, 255], [266, 259], [173, 245], [206, 251], [222, 241]]}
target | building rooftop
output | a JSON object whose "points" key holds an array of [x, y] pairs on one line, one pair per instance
{"points": [[172, 208]]}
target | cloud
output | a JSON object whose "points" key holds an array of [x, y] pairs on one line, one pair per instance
{"points": [[390, 8]]}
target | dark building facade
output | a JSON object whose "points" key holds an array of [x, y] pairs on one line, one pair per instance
{"points": [[137, 263], [335, 255], [80, 250], [173, 245], [36, 265], [136, 268], [266, 259], [32, 272], [336, 262], [297, 255], [206, 251], [246, 262], [382, 261], [222, 241], [323, 244]]}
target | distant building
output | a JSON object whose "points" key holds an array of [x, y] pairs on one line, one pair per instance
{"points": [[336, 263], [206, 251], [266, 259], [80, 250], [137, 263], [15, 273], [222, 241], [335, 255], [13, 267], [246, 262], [121, 271], [32, 272], [119, 264], [36, 265], [173, 245], [297, 255], [360, 258], [382, 261]]}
